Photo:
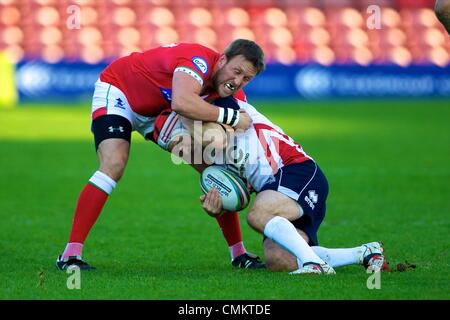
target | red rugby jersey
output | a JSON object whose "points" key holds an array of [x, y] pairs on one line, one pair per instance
{"points": [[146, 77]]}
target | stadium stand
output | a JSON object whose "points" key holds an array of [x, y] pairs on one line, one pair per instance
{"points": [[290, 31]]}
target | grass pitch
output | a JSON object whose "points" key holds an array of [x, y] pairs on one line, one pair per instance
{"points": [[387, 163]]}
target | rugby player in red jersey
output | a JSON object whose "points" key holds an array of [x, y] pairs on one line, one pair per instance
{"points": [[131, 92]]}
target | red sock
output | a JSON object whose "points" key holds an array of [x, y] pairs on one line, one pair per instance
{"points": [[90, 204], [231, 229]]}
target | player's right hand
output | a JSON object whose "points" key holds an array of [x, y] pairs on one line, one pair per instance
{"points": [[212, 203], [244, 121]]}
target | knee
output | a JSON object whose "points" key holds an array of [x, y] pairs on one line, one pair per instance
{"points": [[258, 217], [250, 218], [255, 220]]}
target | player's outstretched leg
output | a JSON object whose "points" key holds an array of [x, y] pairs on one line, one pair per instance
{"points": [[370, 255], [90, 204], [113, 156]]}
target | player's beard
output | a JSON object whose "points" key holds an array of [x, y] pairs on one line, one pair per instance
{"points": [[219, 85], [216, 82]]}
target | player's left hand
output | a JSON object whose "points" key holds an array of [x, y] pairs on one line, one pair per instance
{"points": [[244, 121], [212, 203]]}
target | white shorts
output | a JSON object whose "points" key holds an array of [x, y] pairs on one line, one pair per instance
{"points": [[109, 99]]}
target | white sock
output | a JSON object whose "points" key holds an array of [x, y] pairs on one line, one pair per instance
{"points": [[281, 231], [339, 257], [103, 182]]}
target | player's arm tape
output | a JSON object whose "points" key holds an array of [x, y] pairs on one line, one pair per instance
{"points": [[228, 116], [190, 72]]}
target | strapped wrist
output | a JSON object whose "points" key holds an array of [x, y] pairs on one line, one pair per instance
{"points": [[228, 116]]}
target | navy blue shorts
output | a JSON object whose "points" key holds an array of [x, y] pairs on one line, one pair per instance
{"points": [[305, 183]]}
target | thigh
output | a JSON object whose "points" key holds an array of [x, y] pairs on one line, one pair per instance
{"points": [[268, 204], [111, 127], [276, 203], [300, 181], [307, 185]]}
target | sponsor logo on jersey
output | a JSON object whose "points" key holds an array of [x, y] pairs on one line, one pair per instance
{"points": [[200, 64], [311, 198], [167, 94]]}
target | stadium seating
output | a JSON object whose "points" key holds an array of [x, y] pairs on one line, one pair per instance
{"points": [[290, 31]]}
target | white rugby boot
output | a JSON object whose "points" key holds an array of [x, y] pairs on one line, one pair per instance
{"points": [[372, 257], [314, 268]]}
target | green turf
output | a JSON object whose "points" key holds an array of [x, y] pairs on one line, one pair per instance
{"points": [[388, 167]]}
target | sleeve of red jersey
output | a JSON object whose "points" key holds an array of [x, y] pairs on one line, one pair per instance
{"points": [[197, 64]]}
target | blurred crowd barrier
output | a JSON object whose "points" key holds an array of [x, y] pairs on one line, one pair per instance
{"points": [[316, 37], [40, 81]]}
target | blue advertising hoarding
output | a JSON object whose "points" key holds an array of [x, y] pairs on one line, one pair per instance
{"points": [[39, 81], [348, 81]]}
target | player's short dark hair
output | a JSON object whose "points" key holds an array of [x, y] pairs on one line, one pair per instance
{"points": [[249, 49]]}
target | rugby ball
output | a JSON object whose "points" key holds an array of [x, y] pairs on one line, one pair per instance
{"points": [[232, 189]]}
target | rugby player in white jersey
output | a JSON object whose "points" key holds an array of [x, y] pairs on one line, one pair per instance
{"points": [[290, 202]]}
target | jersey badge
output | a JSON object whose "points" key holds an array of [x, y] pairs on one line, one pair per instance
{"points": [[200, 64]]}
